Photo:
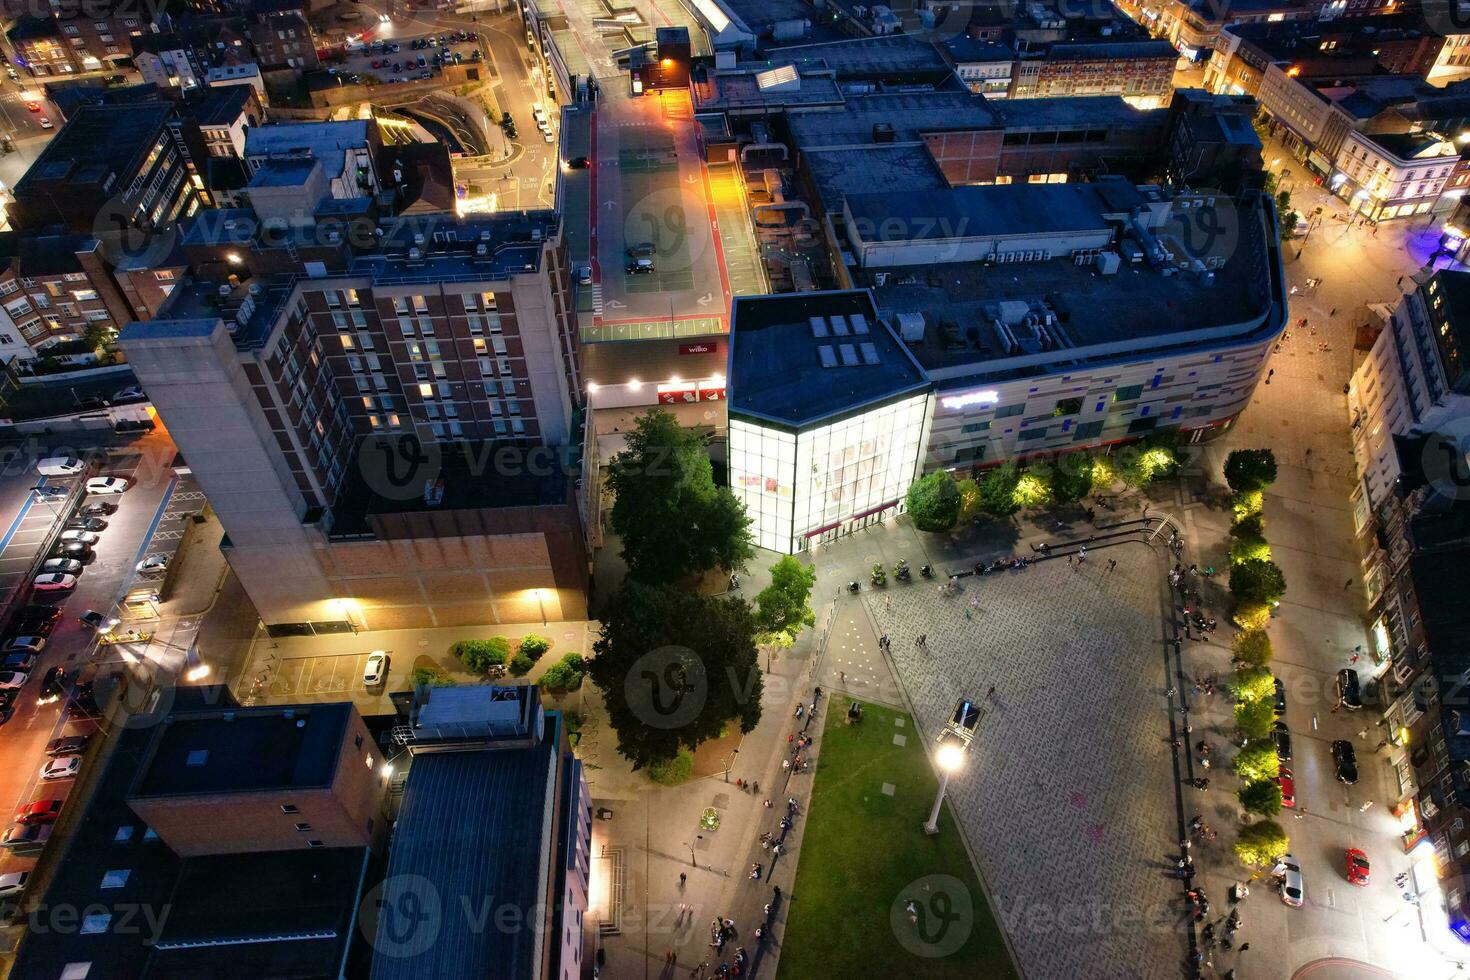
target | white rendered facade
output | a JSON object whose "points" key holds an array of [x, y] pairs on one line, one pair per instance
{"points": [[801, 487]]}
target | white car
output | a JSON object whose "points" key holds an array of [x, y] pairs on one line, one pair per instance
{"points": [[54, 583], [376, 668], [1292, 887], [14, 883], [129, 394], [153, 563], [62, 767], [106, 484], [10, 679], [80, 537], [66, 566], [45, 123], [60, 466]]}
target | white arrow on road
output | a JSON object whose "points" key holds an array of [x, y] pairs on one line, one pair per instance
{"points": [[609, 204], [706, 299], [614, 304], [691, 179]]}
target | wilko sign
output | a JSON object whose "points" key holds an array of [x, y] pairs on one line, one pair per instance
{"points": [[696, 348]]}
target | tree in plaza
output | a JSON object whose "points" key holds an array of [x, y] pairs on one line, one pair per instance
{"points": [[1244, 504], [1249, 526], [1254, 683], [1071, 478], [1254, 719], [1261, 844], [1249, 548], [969, 499], [1286, 218], [1250, 469], [998, 490], [1251, 616], [1257, 761], [1252, 647], [564, 675], [1261, 797], [934, 502], [480, 655], [784, 608], [1141, 464], [1257, 580], [672, 518], [674, 669]]}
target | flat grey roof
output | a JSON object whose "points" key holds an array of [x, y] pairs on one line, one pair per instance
{"points": [[910, 113], [472, 824], [974, 210], [740, 89], [790, 370], [901, 168], [1077, 112], [890, 54]]}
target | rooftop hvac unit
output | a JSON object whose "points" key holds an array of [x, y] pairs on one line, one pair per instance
{"points": [[482, 250], [414, 254], [1108, 263], [910, 327], [418, 239]]}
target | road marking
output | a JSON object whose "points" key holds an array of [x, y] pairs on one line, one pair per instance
{"points": [[24, 509], [173, 482]]}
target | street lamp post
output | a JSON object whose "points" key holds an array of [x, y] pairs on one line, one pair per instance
{"points": [[949, 758], [954, 742]]}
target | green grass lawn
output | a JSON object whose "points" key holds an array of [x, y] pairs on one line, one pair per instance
{"points": [[865, 855]]}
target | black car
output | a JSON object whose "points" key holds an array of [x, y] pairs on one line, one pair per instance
{"points": [[73, 549], [1346, 761], [86, 524], [1349, 691], [67, 745], [577, 163], [642, 267], [50, 614], [53, 686], [98, 508], [1280, 700], [1282, 737]]}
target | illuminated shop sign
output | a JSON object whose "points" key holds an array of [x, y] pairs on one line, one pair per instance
{"points": [[968, 398]]}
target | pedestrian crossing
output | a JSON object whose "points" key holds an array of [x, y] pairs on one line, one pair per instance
{"points": [[597, 299]]}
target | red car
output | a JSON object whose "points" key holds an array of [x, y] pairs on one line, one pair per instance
{"points": [[1357, 866], [39, 811], [1288, 787], [33, 106]]}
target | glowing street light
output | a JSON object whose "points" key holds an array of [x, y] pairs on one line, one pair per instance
{"points": [[954, 745]]}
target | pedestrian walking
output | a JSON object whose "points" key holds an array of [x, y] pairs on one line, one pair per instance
{"points": [[1071, 559], [1270, 374], [682, 878], [842, 675], [1082, 554], [991, 693], [1091, 515], [1112, 564]]}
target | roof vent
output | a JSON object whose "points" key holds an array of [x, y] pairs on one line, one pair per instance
{"points": [[819, 326], [839, 325], [883, 132], [859, 323], [849, 355], [870, 353], [197, 757], [828, 356]]}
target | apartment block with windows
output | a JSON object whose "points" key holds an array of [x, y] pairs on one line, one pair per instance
{"points": [[56, 289], [385, 442]]}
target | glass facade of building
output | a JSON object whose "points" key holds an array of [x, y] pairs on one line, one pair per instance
{"points": [[825, 481]]}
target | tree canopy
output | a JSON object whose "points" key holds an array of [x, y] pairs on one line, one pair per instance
{"points": [[784, 608], [1257, 580], [998, 491], [1256, 761], [1261, 844], [672, 518], [934, 502], [1250, 469], [1262, 796], [674, 669], [1071, 478], [1252, 647]]}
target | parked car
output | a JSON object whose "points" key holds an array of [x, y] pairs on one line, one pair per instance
{"points": [[94, 620], [13, 679], [131, 393], [98, 508], [1357, 867], [33, 106], [54, 583], [60, 466], [153, 563], [80, 536], [39, 811], [61, 767], [640, 267], [24, 662], [49, 614], [86, 524], [30, 626], [584, 275], [79, 550], [53, 686], [1282, 737], [51, 493], [1279, 702], [21, 837], [376, 668], [46, 123], [1287, 784], [67, 745], [1292, 887], [1349, 691], [12, 884], [106, 484], [1346, 761], [23, 644]]}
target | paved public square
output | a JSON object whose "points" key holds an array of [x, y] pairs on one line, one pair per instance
{"points": [[1068, 796]]}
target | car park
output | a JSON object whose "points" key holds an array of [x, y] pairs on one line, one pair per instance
{"points": [[1349, 690], [54, 583], [1281, 736], [1345, 759], [60, 466], [107, 484], [61, 767], [1289, 876], [12, 884], [86, 524], [64, 566], [375, 670], [39, 811], [24, 837], [1357, 867]]}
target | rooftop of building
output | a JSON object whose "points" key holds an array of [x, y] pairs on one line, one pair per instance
{"points": [[113, 864], [799, 358], [887, 57], [33, 28], [994, 210], [98, 143], [427, 183], [44, 254], [1365, 96], [1288, 39], [901, 168], [1124, 49], [284, 172], [1099, 316], [219, 105], [243, 750], [501, 854], [326, 141], [1093, 112], [1414, 146], [1453, 339], [762, 15], [478, 713], [773, 88], [1213, 12], [911, 114]]}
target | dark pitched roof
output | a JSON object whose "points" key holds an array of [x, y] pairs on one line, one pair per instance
{"points": [[219, 105], [428, 175]]}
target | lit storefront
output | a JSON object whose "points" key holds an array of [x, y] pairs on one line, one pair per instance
{"points": [[828, 413]]}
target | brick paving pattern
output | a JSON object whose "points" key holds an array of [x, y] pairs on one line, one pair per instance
{"points": [[1068, 797]]}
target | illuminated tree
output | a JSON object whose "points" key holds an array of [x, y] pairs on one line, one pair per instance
{"points": [[934, 502], [1261, 844]]}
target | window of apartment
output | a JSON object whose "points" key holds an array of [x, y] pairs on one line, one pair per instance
{"points": [[84, 294], [498, 342], [351, 296], [1067, 406], [373, 421], [380, 382], [1009, 411], [347, 341], [479, 345], [476, 325], [488, 299], [1128, 393], [486, 369], [1088, 430], [333, 299], [426, 390], [365, 340], [400, 305], [420, 304]]}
